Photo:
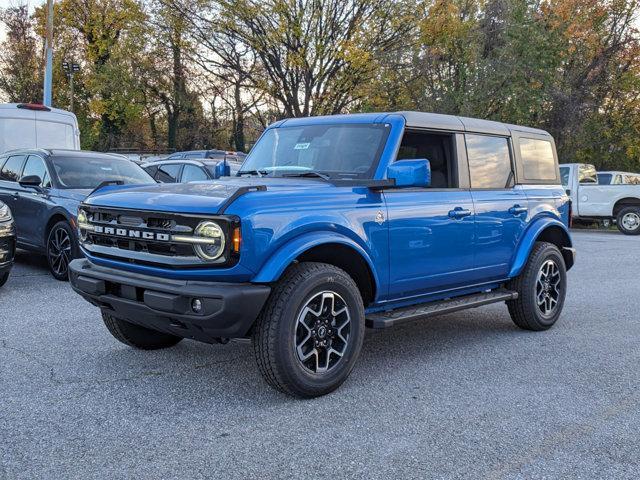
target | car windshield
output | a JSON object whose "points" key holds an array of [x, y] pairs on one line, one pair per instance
{"points": [[604, 178], [89, 172], [338, 151]]}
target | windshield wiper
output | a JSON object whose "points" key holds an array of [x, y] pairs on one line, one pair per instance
{"points": [[259, 173], [310, 173]]}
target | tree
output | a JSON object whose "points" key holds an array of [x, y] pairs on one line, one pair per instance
{"points": [[20, 57]]}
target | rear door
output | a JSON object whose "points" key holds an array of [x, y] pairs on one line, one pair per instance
{"points": [[501, 207]]}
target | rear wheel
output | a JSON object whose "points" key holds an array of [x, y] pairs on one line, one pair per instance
{"points": [[628, 220], [137, 336], [309, 334], [541, 289], [61, 249]]}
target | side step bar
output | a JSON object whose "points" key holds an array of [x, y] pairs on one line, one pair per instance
{"points": [[416, 312]]}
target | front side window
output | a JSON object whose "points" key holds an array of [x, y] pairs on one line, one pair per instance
{"points": [[489, 161], [11, 169], [339, 151], [88, 172], [191, 173], [35, 166], [168, 173], [537, 159], [564, 175]]}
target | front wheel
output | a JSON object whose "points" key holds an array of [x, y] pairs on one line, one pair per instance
{"points": [[61, 249], [541, 287], [628, 220], [310, 332]]}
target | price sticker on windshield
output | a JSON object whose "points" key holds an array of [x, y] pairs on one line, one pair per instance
{"points": [[301, 146]]}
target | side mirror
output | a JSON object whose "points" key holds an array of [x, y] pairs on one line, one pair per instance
{"points": [[410, 173], [222, 169], [568, 192], [30, 181]]}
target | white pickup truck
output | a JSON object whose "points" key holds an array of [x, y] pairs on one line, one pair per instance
{"points": [[591, 201]]}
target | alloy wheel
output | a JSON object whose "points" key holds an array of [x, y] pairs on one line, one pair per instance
{"points": [[322, 332], [548, 288], [59, 250]]}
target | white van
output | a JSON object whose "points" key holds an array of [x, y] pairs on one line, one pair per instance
{"points": [[29, 125]]}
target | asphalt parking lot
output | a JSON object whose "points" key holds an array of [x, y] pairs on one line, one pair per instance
{"points": [[465, 395]]}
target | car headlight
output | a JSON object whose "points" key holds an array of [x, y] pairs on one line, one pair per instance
{"points": [[5, 213], [209, 240]]}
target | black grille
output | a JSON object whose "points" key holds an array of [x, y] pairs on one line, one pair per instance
{"points": [[141, 251]]}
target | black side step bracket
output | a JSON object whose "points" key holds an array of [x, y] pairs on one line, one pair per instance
{"points": [[418, 312]]}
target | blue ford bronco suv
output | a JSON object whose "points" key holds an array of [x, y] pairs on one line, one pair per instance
{"points": [[333, 224]]}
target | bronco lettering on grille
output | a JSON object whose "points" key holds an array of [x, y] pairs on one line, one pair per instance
{"points": [[129, 233]]}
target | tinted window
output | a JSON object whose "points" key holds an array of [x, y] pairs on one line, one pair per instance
{"points": [[11, 169], [604, 178], [168, 173], [35, 166], [587, 174], [339, 150], [191, 173], [489, 161], [537, 159], [89, 172]]}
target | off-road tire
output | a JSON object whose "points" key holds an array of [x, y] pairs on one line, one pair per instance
{"points": [[3, 278], [525, 311], [137, 336], [633, 210], [274, 336]]}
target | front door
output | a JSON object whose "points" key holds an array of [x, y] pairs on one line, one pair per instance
{"points": [[31, 204]]}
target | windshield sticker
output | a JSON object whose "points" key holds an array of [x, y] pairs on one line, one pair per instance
{"points": [[301, 146]]}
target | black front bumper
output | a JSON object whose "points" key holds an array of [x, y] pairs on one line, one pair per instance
{"points": [[228, 309], [7, 246]]}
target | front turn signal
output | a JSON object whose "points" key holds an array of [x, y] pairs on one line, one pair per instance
{"points": [[236, 240]]}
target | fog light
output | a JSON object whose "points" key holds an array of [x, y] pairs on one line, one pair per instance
{"points": [[196, 305]]}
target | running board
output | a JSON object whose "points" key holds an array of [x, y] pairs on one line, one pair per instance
{"points": [[402, 315]]}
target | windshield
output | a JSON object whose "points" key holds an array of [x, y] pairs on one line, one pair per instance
{"points": [[564, 175], [338, 151], [89, 172]]}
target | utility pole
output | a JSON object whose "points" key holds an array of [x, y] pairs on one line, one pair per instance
{"points": [[70, 69], [48, 48]]}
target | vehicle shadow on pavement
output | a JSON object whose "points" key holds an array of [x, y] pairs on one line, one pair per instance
{"points": [[227, 373]]}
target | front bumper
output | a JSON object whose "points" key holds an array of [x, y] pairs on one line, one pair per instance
{"points": [[228, 309], [7, 246]]}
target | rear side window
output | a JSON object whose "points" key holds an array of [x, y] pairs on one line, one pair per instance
{"points": [[537, 159], [11, 169], [191, 173], [489, 161]]}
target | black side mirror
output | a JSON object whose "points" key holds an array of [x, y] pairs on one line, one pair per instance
{"points": [[568, 192], [31, 181]]}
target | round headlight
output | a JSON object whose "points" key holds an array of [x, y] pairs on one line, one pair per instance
{"points": [[210, 245]]}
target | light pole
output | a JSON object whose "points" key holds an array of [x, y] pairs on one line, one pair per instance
{"points": [[70, 68], [48, 48]]}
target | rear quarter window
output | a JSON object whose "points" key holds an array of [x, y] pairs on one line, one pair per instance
{"points": [[538, 161]]}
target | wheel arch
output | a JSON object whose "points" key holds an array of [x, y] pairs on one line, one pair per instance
{"points": [[625, 202], [330, 248], [56, 217], [544, 230]]}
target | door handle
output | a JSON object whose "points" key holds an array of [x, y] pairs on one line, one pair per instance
{"points": [[517, 210], [459, 212]]}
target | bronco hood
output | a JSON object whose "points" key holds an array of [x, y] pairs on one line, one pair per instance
{"points": [[197, 197]]}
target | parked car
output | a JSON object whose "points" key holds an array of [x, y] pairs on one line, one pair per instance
{"points": [[43, 188], [27, 125], [236, 157], [7, 243], [334, 223], [183, 171], [593, 201], [618, 178]]}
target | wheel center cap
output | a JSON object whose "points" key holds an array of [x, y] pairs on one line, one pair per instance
{"points": [[322, 331]]}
